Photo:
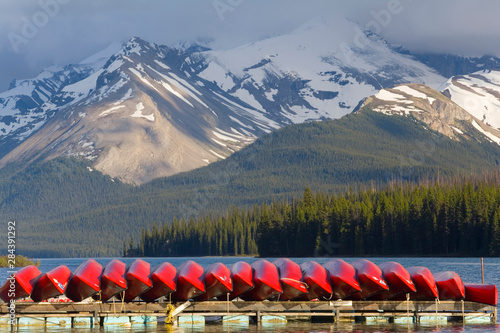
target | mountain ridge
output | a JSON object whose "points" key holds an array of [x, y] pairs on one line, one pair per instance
{"points": [[244, 93]]}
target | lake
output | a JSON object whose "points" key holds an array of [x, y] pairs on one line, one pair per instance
{"points": [[469, 270]]}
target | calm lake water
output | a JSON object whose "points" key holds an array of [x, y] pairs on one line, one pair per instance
{"points": [[469, 270]]}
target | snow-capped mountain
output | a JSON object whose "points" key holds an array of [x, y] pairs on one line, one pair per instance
{"points": [[478, 93], [432, 108], [321, 70], [138, 118], [147, 110]]}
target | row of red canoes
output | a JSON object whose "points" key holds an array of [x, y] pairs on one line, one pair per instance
{"points": [[261, 280]]}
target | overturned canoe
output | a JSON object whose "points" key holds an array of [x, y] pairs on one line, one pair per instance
{"points": [[291, 279], [370, 279], [266, 281], [242, 277], [113, 280], [450, 285], [217, 280], [342, 277], [85, 281], [424, 282], [164, 282], [21, 284], [398, 280], [189, 281], [51, 284], [316, 278], [481, 293], [138, 279]]}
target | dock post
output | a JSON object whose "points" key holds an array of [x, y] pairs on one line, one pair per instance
{"points": [[337, 316], [482, 271], [95, 320], [258, 317]]}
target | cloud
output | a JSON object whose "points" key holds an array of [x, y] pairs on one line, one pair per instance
{"points": [[67, 31]]}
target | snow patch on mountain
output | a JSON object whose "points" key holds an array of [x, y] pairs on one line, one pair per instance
{"points": [[478, 93], [138, 113]]}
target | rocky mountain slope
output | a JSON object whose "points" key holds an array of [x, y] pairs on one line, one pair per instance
{"points": [[436, 111]]}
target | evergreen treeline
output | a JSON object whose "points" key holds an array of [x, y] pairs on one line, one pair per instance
{"points": [[230, 235], [459, 218]]}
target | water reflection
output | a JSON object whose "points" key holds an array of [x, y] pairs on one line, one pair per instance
{"points": [[292, 326]]}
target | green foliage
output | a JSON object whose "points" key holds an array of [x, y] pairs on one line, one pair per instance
{"points": [[232, 234], [63, 209], [20, 261]]}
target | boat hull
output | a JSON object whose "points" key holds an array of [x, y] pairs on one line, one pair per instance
{"points": [[450, 286], [242, 277], [85, 281], [425, 285], [481, 293], [316, 278], [342, 278], [291, 279], [51, 284], [266, 281], [217, 280], [138, 279], [398, 280], [189, 281], [370, 279], [164, 282], [113, 280], [22, 283]]}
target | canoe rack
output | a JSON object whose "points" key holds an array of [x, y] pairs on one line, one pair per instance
{"points": [[100, 314]]}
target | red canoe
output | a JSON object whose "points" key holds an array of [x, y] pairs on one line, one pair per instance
{"points": [[482, 293], [22, 283], [450, 285], [266, 281], [138, 279], [342, 278], [217, 282], [316, 278], [51, 284], [189, 281], [242, 277], [370, 279], [424, 283], [113, 280], [291, 279], [163, 278], [85, 281], [398, 280]]}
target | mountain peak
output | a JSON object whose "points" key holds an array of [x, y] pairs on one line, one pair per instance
{"points": [[103, 55]]}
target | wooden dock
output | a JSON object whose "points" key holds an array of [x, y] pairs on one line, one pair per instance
{"points": [[100, 314]]}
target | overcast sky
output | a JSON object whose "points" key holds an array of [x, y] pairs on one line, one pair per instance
{"points": [[38, 33]]}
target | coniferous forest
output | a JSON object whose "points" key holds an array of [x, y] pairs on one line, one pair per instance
{"points": [[457, 218]]}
